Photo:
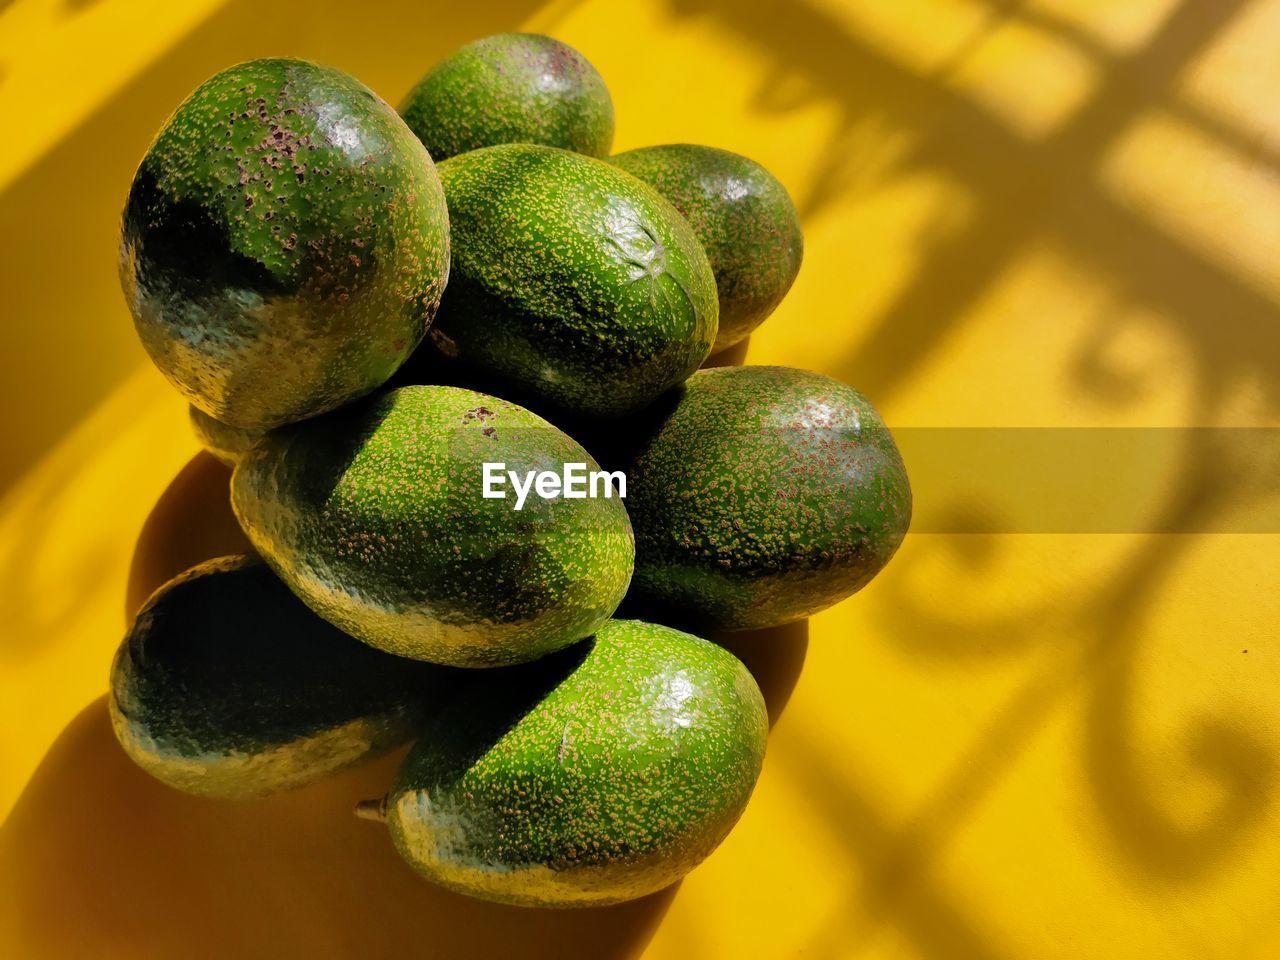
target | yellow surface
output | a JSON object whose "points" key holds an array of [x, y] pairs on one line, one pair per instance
{"points": [[1050, 213]]}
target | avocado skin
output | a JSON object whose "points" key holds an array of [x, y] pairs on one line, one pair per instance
{"points": [[284, 244], [758, 495], [374, 516], [573, 285], [744, 218], [511, 88], [601, 774], [227, 686], [224, 441]]}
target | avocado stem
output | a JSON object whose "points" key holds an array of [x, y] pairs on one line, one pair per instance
{"points": [[372, 810]]}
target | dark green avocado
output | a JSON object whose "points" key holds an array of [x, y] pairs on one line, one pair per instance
{"points": [[574, 287], [744, 218], [758, 495], [227, 686], [284, 245], [224, 441], [511, 88], [603, 773], [376, 516]]}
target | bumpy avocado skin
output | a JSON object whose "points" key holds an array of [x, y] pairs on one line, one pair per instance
{"points": [[375, 516], [759, 495], [744, 218], [574, 285], [284, 245], [511, 88], [227, 686], [224, 441], [601, 774]]}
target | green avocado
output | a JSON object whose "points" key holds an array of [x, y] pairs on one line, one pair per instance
{"points": [[511, 88], [574, 286], [601, 774], [284, 245], [744, 218], [224, 441], [376, 516], [227, 686], [759, 495]]}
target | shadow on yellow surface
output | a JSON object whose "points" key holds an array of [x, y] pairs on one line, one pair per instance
{"points": [[1237, 753], [1030, 183], [150, 872]]}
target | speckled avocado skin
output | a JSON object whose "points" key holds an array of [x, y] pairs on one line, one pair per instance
{"points": [[601, 774], [574, 285], [374, 515], [284, 245], [511, 88], [744, 218], [227, 686], [759, 495], [224, 441]]}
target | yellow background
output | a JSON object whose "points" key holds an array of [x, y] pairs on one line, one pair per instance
{"points": [[1051, 212]]}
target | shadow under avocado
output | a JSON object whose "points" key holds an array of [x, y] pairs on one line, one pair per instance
{"points": [[190, 523], [774, 656], [98, 857], [734, 355]]}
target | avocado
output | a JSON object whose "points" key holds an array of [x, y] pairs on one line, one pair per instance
{"points": [[759, 495], [284, 244], [511, 88], [227, 686], [222, 440], [600, 774], [574, 287], [376, 516], [744, 218]]}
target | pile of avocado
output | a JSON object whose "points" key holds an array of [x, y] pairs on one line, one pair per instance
{"points": [[364, 307]]}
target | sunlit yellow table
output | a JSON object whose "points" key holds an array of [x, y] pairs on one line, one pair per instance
{"points": [[1019, 743]]}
